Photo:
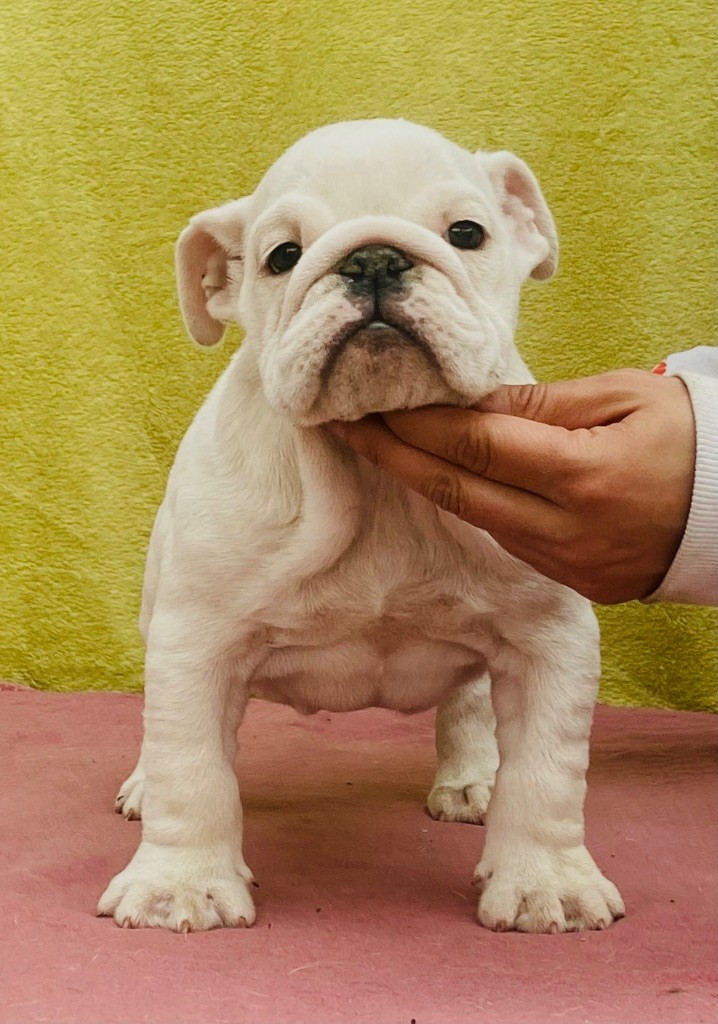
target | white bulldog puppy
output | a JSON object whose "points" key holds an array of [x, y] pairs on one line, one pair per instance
{"points": [[377, 266]]}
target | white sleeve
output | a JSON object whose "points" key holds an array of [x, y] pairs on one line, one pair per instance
{"points": [[693, 576]]}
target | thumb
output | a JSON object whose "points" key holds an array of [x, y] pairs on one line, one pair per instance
{"points": [[587, 402]]}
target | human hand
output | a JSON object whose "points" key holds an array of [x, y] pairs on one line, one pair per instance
{"points": [[589, 481]]}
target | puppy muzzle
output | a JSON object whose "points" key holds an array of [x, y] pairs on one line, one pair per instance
{"points": [[336, 248], [379, 313]]}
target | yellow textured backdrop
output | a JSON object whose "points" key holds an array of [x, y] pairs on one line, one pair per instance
{"points": [[121, 118]]}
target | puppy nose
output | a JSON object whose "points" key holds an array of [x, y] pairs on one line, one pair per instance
{"points": [[374, 266]]}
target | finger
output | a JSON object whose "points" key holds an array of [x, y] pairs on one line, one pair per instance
{"points": [[535, 457], [587, 402], [491, 506]]}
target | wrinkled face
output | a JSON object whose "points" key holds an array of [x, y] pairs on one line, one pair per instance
{"points": [[377, 266]]}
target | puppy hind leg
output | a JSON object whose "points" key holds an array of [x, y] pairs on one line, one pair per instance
{"points": [[128, 801], [467, 756]]}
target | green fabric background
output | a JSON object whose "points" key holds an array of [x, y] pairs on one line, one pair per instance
{"points": [[120, 119]]}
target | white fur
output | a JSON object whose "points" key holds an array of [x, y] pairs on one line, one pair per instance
{"points": [[284, 567]]}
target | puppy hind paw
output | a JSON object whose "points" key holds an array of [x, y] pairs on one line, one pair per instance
{"points": [[466, 803], [128, 801]]}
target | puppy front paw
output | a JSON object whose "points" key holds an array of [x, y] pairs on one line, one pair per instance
{"points": [[459, 802], [180, 890], [128, 801], [546, 891]]}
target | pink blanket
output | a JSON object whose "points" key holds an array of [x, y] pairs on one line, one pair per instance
{"points": [[365, 908]]}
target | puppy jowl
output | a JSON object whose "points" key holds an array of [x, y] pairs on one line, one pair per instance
{"points": [[377, 266]]}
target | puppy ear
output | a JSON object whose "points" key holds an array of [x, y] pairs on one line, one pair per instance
{"points": [[209, 266], [522, 201]]}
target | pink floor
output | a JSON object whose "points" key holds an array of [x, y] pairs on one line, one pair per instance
{"points": [[365, 907]]}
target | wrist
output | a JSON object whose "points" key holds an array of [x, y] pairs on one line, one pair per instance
{"points": [[693, 575]]}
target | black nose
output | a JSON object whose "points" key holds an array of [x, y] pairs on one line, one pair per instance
{"points": [[374, 267]]}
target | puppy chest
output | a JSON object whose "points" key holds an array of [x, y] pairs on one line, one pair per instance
{"points": [[388, 633], [392, 587]]}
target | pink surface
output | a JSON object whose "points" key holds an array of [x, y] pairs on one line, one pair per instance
{"points": [[365, 907]]}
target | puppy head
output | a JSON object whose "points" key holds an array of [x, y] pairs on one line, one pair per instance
{"points": [[377, 266]]}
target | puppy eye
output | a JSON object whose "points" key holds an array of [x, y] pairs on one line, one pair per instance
{"points": [[284, 257], [466, 234]]}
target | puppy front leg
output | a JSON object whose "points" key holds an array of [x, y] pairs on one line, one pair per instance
{"points": [[128, 801], [535, 874], [466, 754], [188, 872]]}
